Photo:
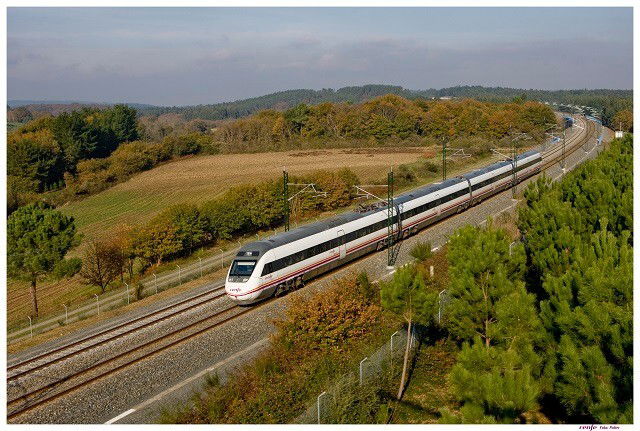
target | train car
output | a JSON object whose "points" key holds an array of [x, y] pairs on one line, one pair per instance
{"points": [[568, 121], [286, 260]]}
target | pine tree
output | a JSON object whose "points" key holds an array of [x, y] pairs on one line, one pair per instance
{"points": [[407, 295], [499, 375], [38, 237]]}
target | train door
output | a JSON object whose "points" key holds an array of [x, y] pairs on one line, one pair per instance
{"points": [[438, 203], [342, 245]]}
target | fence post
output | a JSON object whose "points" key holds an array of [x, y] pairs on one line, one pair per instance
{"points": [[221, 258], [510, 247], [155, 281], [66, 314], [413, 337], [127, 292], [200, 264], [393, 335], [440, 305], [179, 274], [320, 396], [431, 271], [97, 302], [30, 327], [361, 369]]}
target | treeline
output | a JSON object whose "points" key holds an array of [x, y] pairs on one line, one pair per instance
{"points": [[83, 152], [386, 119], [59, 159], [546, 327], [602, 99], [280, 101], [40, 153], [605, 100]]}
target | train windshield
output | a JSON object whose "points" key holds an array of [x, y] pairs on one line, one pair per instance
{"points": [[242, 268]]}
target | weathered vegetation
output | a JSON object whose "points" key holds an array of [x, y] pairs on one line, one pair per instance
{"points": [[319, 338]]}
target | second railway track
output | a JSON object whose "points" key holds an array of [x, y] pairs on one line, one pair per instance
{"points": [[109, 334], [55, 389]]}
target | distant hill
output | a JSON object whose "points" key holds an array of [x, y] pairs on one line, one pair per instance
{"points": [[287, 99], [603, 99], [280, 101], [17, 103]]}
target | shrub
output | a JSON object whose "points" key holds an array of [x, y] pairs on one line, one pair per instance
{"points": [[360, 404], [404, 176], [192, 227], [20, 191], [35, 156], [93, 176], [190, 143], [67, 267], [156, 242], [327, 320], [421, 251], [430, 167], [131, 158]]}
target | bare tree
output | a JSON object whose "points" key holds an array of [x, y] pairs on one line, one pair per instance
{"points": [[102, 263]]}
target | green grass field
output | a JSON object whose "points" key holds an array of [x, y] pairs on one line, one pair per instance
{"points": [[198, 179]]}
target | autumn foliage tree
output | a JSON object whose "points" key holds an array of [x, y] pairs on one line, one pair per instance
{"points": [[623, 120], [155, 242]]}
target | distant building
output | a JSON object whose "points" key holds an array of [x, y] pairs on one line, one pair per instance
{"points": [[619, 134], [446, 98]]}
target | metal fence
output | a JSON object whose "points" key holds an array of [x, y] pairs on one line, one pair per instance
{"points": [[121, 297], [330, 405]]}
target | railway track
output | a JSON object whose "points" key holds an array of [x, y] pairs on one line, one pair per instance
{"points": [[95, 371], [570, 148], [104, 367], [50, 357]]}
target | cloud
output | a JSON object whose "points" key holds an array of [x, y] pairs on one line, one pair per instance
{"points": [[246, 63]]}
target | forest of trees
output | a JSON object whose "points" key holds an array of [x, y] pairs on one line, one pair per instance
{"points": [[544, 326], [605, 100], [385, 120], [609, 101], [42, 152]]}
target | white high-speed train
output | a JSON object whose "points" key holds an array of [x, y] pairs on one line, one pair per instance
{"points": [[286, 260]]}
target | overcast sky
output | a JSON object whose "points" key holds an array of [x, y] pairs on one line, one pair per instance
{"points": [[180, 56]]}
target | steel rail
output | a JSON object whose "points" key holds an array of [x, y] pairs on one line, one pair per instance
{"points": [[31, 401], [108, 330]]}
